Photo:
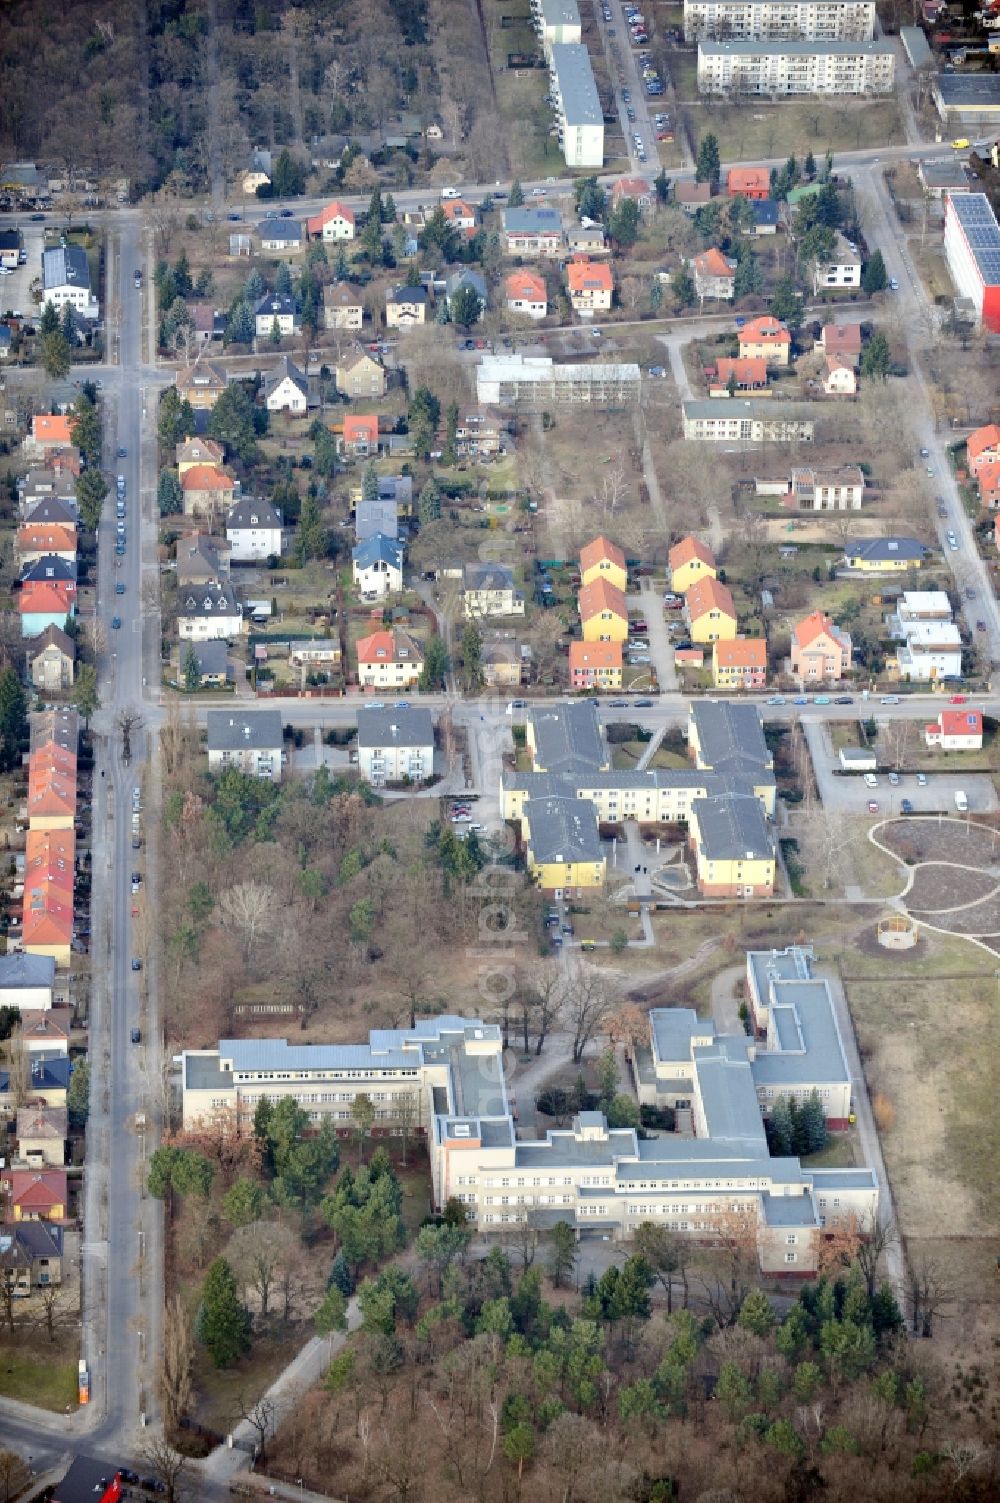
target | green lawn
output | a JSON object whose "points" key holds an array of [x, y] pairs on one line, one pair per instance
{"points": [[38, 1374]]}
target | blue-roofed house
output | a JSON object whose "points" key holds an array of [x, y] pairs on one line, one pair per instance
{"points": [[377, 566], [765, 215], [533, 232], [283, 235]]}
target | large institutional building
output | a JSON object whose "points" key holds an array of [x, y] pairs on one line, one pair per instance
{"points": [[602, 1180], [795, 67], [532, 383], [847, 20], [972, 247]]}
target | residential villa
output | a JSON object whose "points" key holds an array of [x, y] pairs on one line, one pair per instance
{"points": [[821, 650], [890, 555], [740, 663], [591, 285], [377, 566], [714, 274], [389, 660], [489, 590], [765, 338], [956, 730], [526, 294]]}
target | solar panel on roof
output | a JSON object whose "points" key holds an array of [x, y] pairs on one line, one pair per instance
{"points": [[982, 233]]}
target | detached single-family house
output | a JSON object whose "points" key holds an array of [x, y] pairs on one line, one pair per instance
{"points": [[253, 530], [31, 1254], [343, 307], [405, 306], [982, 447], [35, 1194], [214, 667], [766, 213], [26, 981], [478, 434], [46, 1033], [595, 665], [839, 489], [988, 478], [379, 514], [335, 222], [360, 375], [276, 308], [533, 232], [286, 389], [461, 216], [66, 280], [201, 559], [884, 555], [201, 384], [49, 430], [821, 650], [714, 274], [281, 235], [602, 559], [41, 1133], [839, 377], [192, 451], [690, 560], [471, 279], [740, 663], [488, 590], [710, 611], [637, 189], [377, 566], [51, 660], [591, 285], [209, 612], [395, 745], [389, 660], [249, 740], [691, 196], [207, 490], [502, 660], [842, 270], [360, 435], [956, 730], [526, 294], [748, 182], [37, 540], [603, 612], [841, 339], [738, 375], [765, 339]]}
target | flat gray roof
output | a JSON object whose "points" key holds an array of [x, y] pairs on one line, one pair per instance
{"points": [[204, 1072], [671, 1030], [759, 47], [981, 89], [575, 81], [735, 407], [563, 1147], [732, 1110], [809, 1048], [560, 13], [915, 44], [790, 1210]]}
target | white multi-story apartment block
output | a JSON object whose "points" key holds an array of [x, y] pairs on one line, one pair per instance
{"points": [[578, 106], [733, 420], [446, 1077], [794, 66], [395, 746], [556, 21], [847, 20], [535, 382]]}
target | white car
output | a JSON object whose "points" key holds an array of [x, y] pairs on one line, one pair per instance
{"points": [[6, 271], [871, 781], [449, 193]]}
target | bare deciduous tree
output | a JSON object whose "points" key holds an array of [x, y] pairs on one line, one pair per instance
{"points": [[175, 1362], [250, 909], [166, 1464], [588, 1002], [256, 1254]]}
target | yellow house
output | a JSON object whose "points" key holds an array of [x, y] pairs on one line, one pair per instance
{"points": [[603, 612], [710, 612], [690, 560], [603, 560], [564, 852], [734, 847], [884, 555], [595, 665], [739, 664]]}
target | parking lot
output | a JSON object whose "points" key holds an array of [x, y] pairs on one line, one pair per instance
{"points": [[15, 290], [849, 794]]}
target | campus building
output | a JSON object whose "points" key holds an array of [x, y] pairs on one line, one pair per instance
{"points": [[532, 383], [445, 1077], [972, 249]]}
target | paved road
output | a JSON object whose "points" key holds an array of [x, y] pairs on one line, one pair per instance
{"points": [[623, 71]]}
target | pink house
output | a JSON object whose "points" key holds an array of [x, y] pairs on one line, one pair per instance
{"points": [[820, 650]]}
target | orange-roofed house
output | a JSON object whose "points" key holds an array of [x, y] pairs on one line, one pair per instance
{"points": [[51, 431], [956, 730], [50, 860], [821, 651], [690, 560], [748, 182], [36, 1194], [526, 294], [48, 924], [740, 664], [595, 665], [207, 490], [839, 377], [714, 274], [602, 559], [45, 602], [591, 285], [710, 611], [335, 222], [981, 447], [603, 612], [37, 539], [360, 436], [988, 477], [744, 375], [461, 215], [389, 660], [766, 339]]}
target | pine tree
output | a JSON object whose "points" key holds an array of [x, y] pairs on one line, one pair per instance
{"points": [[437, 665], [429, 504], [192, 675], [655, 295], [876, 357], [311, 535], [13, 718], [516, 198], [223, 1325], [809, 166], [780, 1130], [169, 495], [873, 278], [812, 1119], [369, 482], [682, 286], [49, 321], [708, 164], [340, 1276]]}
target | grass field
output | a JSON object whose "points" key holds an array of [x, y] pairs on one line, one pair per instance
{"points": [[36, 1372]]}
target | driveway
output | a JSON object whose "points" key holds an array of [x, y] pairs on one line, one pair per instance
{"points": [[15, 290], [849, 794], [660, 650]]}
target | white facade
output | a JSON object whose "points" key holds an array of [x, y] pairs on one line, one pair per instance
{"points": [[931, 650], [556, 21], [255, 536], [378, 577], [731, 420], [795, 67], [250, 741], [395, 746], [287, 396], [842, 270], [578, 107], [850, 20], [972, 250]]}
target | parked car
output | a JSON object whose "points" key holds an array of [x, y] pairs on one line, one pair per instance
{"points": [[905, 806], [921, 780], [871, 781], [894, 779], [873, 806]]}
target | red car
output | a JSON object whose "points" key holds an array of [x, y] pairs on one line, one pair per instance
{"points": [[957, 699]]}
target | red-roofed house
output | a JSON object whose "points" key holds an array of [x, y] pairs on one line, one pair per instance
{"points": [[690, 560], [36, 1194], [956, 730], [746, 375], [526, 294], [591, 285], [50, 859], [360, 436], [635, 188], [461, 215], [37, 539], [981, 447], [839, 377], [595, 665], [989, 484], [389, 660], [740, 664], [335, 222], [45, 602], [50, 431], [714, 274], [820, 650], [207, 490], [749, 182], [710, 611], [765, 339], [603, 612], [841, 339], [602, 559]]}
